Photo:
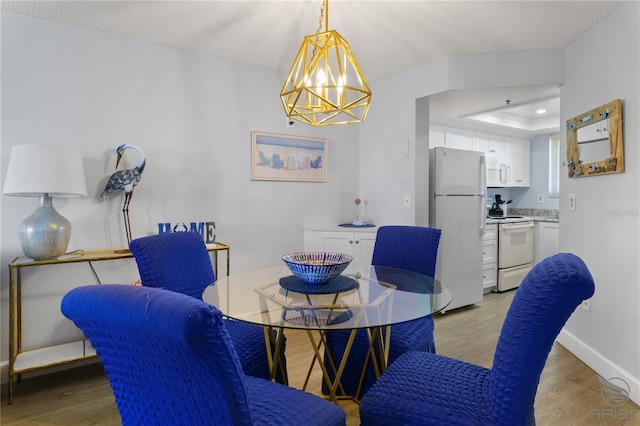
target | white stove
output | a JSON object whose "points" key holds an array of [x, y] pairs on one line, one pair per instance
{"points": [[515, 249]]}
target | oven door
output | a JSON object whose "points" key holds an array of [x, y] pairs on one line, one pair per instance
{"points": [[515, 244], [512, 277]]}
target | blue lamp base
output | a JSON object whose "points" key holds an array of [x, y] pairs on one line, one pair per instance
{"points": [[45, 234]]}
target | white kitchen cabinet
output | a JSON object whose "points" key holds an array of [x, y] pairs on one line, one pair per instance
{"points": [[459, 139], [436, 137], [489, 277], [490, 258], [492, 146], [594, 132], [481, 144], [508, 159], [450, 138], [518, 161], [547, 241], [593, 141], [358, 242]]}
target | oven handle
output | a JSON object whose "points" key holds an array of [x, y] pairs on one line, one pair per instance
{"points": [[515, 226]]}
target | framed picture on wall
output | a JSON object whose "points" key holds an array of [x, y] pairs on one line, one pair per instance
{"points": [[288, 158]]}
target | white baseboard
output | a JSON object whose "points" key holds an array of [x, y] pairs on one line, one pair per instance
{"points": [[600, 364]]}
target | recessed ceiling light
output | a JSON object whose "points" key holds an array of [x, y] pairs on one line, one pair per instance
{"points": [[521, 116]]}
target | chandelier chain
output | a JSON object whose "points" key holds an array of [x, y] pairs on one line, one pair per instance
{"points": [[322, 12]]}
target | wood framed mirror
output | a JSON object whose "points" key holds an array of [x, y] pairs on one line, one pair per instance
{"points": [[594, 141]]}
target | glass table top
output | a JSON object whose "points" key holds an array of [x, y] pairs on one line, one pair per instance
{"points": [[369, 296]]}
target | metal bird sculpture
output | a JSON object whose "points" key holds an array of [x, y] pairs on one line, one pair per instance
{"points": [[125, 180]]}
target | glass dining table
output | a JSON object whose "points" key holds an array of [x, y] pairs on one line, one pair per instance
{"points": [[365, 297]]}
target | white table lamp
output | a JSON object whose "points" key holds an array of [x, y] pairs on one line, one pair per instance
{"points": [[46, 172]]}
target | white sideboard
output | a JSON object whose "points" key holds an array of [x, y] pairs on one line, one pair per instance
{"points": [[358, 242]]}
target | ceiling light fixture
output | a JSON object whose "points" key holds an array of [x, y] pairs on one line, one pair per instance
{"points": [[522, 116], [325, 85]]}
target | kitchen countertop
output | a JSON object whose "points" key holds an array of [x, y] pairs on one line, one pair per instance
{"points": [[491, 220]]}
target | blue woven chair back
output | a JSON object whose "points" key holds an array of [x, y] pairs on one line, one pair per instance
{"points": [[405, 248], [541, 306], [177, 261], [168, 356], [413, 248]]}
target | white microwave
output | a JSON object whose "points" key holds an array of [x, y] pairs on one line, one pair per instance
{"points": [[496, 172]]}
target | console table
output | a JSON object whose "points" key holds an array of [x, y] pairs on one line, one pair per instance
{"points": [[21, 361]]}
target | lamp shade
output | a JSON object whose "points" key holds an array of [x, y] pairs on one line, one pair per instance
{"points": [[46, 172], [42, 169]]}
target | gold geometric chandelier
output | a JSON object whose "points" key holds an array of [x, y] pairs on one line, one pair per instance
{"points": [[325, 85]]}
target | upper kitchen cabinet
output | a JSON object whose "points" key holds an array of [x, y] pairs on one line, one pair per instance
{"points": [[492, 146], [594, 133], [451, 138], [518, 161], [508, 159], [459, 139]]}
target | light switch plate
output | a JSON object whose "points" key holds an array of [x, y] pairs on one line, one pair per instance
{"points": [[572, 202]]}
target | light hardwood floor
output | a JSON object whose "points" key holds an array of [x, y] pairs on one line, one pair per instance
{"points": [[568, 394]]}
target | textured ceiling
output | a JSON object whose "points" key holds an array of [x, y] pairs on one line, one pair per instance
{"points": [[387, 37]]}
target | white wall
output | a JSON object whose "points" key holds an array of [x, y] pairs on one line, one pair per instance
{"points": [[539, 176], [191, 114], [603, 65], [392, 118], [600, 66]]}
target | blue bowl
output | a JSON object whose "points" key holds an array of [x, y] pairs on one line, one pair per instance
{"points": [[316, 267]]}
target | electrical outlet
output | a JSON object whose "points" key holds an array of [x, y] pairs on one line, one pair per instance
{"points": [[407, 200], [540, 198], [586, 305], [572, 202]]}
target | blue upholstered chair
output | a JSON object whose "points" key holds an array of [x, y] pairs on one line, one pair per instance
{"points": [[428, 389], [411, 248], [180, 262], [170, 361]]}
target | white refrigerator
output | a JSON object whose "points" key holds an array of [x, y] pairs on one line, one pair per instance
{"points": [[457, 206]]}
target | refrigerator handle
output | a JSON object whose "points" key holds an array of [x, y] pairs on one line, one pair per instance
{"points": [[483, 198]]}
